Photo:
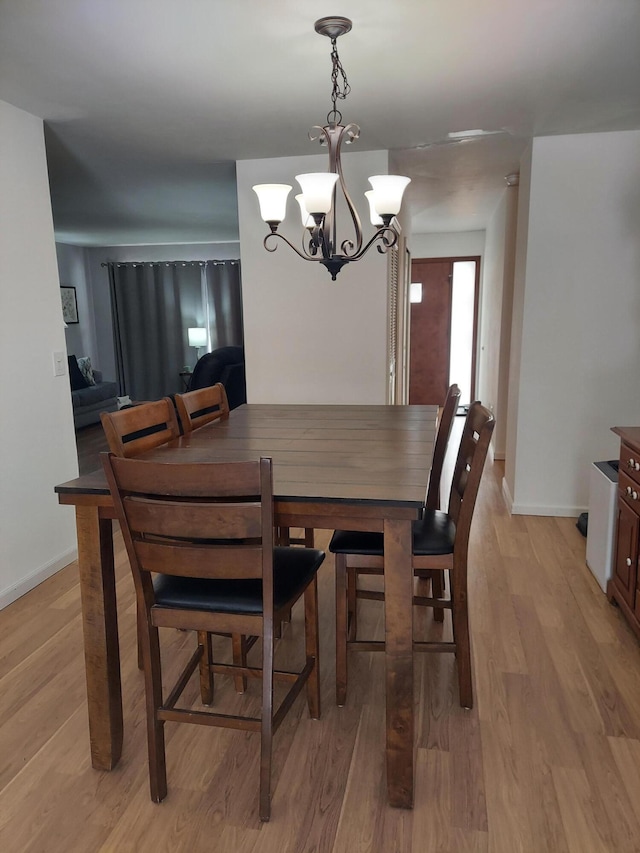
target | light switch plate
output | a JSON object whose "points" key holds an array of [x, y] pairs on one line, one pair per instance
{"points": [[59, 368]]}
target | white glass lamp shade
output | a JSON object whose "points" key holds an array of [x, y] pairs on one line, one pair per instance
{"points": [[373, 216], [317, 190], [273, 201], [387, 193], [307, 219], [197, 337]]}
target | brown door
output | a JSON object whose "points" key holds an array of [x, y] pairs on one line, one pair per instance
{"points": [[431, 329], [430, 332]]}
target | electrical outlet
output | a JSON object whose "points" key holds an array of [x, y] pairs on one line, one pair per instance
{"points": [[59, 367]]}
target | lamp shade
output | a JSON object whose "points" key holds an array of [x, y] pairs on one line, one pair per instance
{"points": [[317, 190], [387, 193], [307, 219], [197, 337], [373, 216], [273, 201]]}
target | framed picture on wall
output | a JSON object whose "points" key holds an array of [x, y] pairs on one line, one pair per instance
{"points": [[69, 305]]}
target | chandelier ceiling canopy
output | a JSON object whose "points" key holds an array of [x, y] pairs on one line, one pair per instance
{"points": [[317, 200]]}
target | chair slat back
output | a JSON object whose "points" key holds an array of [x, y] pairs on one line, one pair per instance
{"points": [[200, 407], [134, 430], [449, 410], [209, 520], [474, 445]]}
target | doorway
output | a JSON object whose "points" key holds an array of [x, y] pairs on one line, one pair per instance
{"points": [[444, 325]]}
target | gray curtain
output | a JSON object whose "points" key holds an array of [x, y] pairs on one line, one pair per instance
{"points": [[154, 304], [223, 299]]}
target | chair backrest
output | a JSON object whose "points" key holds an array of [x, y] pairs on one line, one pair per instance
{"points": [[197, 520], [474, 445], [197, 408], [134, 430], [449, 410]]}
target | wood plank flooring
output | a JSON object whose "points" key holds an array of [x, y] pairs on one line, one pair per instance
{"points": [[548, 760]]}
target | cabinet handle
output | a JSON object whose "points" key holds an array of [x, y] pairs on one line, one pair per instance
{"points": [[634, 495], [628, 490], [628, 561], [637, 466], [631, 462]]}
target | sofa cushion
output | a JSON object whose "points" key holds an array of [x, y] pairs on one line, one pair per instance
{"points": [[76, 378], [94, 394], [84, 364]]}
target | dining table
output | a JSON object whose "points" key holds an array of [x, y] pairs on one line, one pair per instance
{"points": [[353, 467]]}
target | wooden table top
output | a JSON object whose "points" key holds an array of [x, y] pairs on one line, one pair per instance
{"points": [[379, 454]]}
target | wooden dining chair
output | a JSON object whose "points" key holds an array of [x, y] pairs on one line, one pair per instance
{"points": [[135, 429], [205, 532], [440, 543], [432, 501], [449, 409], [200, 407], [203, 406]]}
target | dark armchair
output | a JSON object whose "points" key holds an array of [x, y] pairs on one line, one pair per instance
{"points": [[225, 365]]}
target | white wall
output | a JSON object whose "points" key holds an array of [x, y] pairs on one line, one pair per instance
{"points": [[575, 346], [309, 339], [517, 322], [447, 245], [36, 425], [495, 314]]}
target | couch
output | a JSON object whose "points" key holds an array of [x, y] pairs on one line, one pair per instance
{"points": [[89, 400], [225, 365]]}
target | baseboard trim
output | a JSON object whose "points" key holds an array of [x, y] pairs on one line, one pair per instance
{"points": [[555, 511], [12, 593], [532, 509]]}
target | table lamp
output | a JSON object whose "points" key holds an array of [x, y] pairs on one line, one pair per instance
{"points": [[197, 339]]}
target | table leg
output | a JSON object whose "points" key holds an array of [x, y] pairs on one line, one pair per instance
{"points": [[100, 628], [398, 593]]}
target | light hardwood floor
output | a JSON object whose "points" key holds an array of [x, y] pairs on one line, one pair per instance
{"points": [[548, 760]]}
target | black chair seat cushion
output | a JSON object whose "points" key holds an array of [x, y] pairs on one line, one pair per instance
{"points": [[434, 533], [293, 568]]}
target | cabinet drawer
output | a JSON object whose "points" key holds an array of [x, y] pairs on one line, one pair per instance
{"points": [[629, 490], [630, 463]]}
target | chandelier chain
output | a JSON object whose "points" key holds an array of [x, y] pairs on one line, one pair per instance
{"points": [[338, 92]]}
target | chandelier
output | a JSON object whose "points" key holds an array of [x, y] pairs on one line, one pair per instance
{"points": [[318, 197]]}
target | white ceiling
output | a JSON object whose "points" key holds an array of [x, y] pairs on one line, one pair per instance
{"points": [[148, 103]]}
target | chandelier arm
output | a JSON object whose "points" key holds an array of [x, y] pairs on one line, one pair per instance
{"points": [[322, 134], [388, 238], [304, 255]]}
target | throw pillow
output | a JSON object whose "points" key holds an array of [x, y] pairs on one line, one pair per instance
{"points": [[75, 376], [84, 364]]}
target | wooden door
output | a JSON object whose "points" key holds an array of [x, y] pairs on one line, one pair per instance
{"points": [[430, 332], [448, 312]]}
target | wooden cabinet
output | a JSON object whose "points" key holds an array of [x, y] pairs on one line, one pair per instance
{"points": [[623, 588]]}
